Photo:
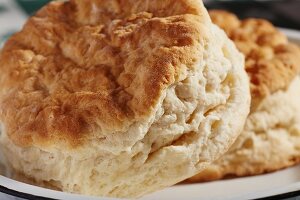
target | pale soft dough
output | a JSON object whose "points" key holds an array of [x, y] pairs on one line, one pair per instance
{"points": [[271, 137], [270, 141]]}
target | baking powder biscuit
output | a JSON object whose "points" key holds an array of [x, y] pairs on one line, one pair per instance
{"points": [[120, 98]]}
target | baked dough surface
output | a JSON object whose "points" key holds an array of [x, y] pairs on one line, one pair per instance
{"points": [[119, 98]]}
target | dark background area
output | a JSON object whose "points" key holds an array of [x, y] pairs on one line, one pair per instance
{"points": [[282, 13]]}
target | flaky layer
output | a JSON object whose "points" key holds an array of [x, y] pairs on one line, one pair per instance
{"points": [[120, 98], [270, 141]]}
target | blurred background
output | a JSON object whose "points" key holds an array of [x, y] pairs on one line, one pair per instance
{"points": [[282, 13]]}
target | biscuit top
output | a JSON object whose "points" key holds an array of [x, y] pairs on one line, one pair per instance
{"points": [[81, 67], [271, 61]]}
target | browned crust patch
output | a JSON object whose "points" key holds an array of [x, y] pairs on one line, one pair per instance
{"points": [[271, 61], [80, 70]]}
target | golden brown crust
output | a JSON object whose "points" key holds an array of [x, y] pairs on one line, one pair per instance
{"points": [[111, 69], [271, 61], [225, 20]]}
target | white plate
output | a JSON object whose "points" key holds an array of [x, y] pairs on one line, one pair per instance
{"points": [[278, 185]]}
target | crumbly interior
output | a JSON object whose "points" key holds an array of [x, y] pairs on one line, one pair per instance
{"points": [[270, 140]]}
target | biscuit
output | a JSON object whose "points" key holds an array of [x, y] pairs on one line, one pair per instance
{"points": [[119, 98], [271, 137]]}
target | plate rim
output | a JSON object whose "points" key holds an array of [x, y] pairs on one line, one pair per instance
{"points": [[28, 196], [22, 195]]}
